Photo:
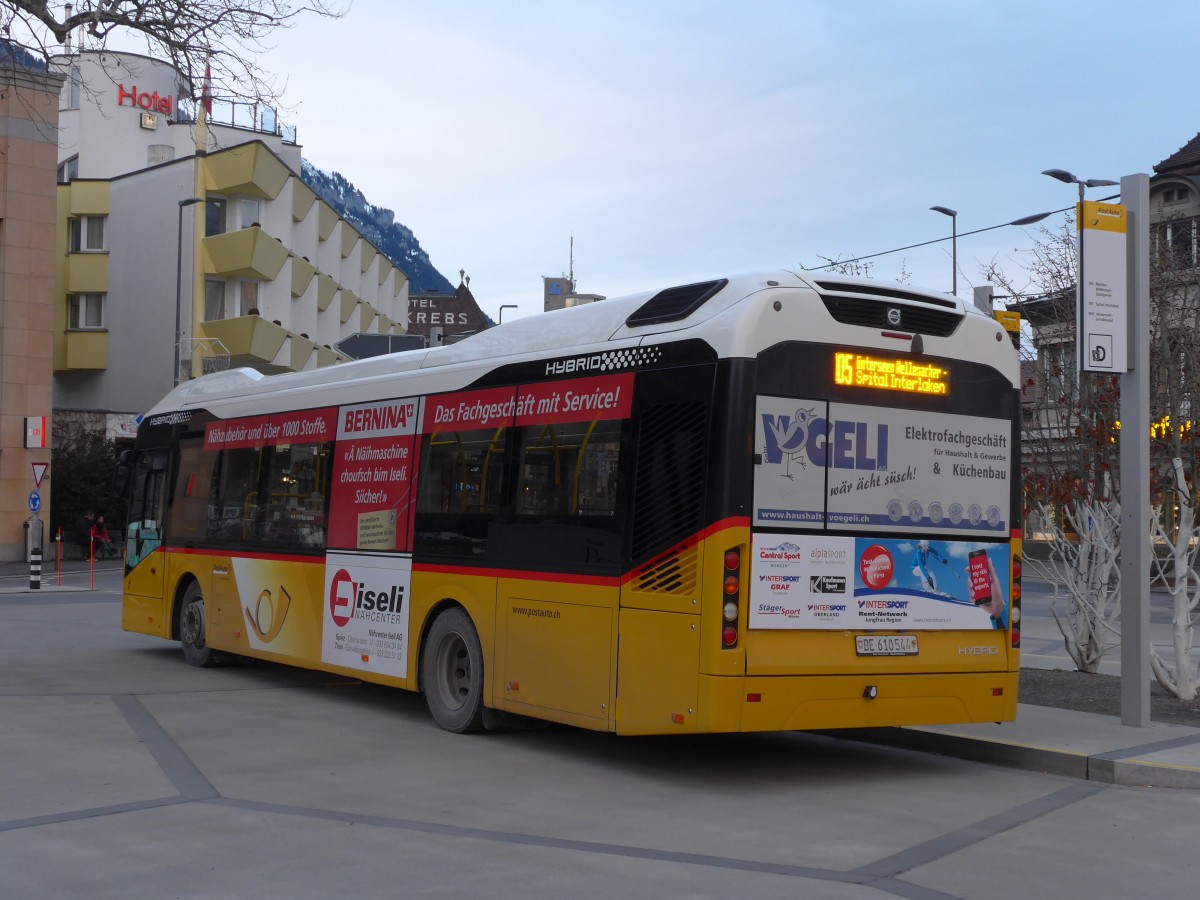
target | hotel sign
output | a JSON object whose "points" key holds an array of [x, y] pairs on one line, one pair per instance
{"points": [[145, 100]]}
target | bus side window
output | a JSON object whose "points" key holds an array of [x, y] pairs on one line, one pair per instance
{"points": [[460, 492], [188, 506], [234, 514], [297, 485], [569, 470]]}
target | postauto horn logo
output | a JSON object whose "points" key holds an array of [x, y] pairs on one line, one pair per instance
{"points": [[837, 444], [350, 599]]}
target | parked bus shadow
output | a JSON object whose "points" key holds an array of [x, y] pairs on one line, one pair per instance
{"points": [[758, 762]]}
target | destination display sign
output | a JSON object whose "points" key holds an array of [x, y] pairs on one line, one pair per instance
{"points": [[890, 374]]}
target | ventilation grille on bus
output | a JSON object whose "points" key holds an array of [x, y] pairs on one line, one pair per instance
{"points": [[668, 489], [874, 314], [675, 303], [675, 574]]}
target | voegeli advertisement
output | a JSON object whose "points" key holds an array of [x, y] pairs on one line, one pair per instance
{"points": [[849, 467], [834, 582]]}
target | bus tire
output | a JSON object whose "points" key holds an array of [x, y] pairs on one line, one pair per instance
{"points": [[193, 630], [452, 673]]}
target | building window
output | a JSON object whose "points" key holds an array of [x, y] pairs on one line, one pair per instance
{"points": [[68, 170], [73, 89], [1175, 243], [248, 298], [85, 311], [86, 234], [214, 300], [214, 217], [251, 212]]}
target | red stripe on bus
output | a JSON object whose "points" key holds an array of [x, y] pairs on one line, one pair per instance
{"points": [[524, 574]]}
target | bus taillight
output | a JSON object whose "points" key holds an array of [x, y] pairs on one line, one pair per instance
{"points": [[1014, 609], [733, 589]]}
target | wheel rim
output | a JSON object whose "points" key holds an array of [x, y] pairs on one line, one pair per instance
{"points": [[193, 625], [452, 669]]}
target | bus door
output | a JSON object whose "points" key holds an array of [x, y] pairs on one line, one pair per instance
{"points": [[145, 570]]}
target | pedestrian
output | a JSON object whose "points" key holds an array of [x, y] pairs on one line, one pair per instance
{"points": [[83, 532], [101, 540]]}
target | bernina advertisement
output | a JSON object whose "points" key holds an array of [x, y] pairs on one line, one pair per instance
{"points": [[832, 582], [847, 468], [374, 470]]}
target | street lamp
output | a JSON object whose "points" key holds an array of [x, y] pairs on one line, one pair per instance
{"points": [[945, 211], [179, 278], [500, 318]]}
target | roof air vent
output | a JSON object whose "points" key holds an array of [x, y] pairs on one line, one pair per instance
{"points": [[675, 303]]}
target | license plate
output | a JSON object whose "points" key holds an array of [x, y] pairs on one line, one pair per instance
{"points": [[885, 644]]}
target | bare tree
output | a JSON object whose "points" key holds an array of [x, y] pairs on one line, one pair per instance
{"points": [[196, 36], [1071, 464], [1069, 451], [1175, 443], [857, 268]]}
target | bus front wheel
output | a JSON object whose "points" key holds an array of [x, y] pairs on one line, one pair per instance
{"points": [[452, 673], [193, 630]]}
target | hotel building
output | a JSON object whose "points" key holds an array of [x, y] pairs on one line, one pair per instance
{"points": [[189, 243]]}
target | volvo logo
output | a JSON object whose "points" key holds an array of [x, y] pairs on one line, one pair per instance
{"points": [[893, 316]]}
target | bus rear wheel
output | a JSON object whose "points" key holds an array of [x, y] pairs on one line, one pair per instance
{"points": [[193, 630], [452, 673]]}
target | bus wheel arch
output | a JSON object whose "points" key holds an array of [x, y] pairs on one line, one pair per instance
{"points": [[191, 625], [450, 670]]}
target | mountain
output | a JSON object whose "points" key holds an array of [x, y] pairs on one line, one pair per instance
{"points": [[18, 57], [379, 226]]}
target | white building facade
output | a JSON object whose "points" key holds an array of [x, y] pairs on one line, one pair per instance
{"points": [[178, 260]]}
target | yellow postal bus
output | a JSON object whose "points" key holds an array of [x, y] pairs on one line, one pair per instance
{"points": [[778, 501]]}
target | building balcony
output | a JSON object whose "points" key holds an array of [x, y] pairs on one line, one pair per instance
{"points": [[249, 253], [302, 275], [350, 302], [86, 351], [249, 170], [327, 289], [261, 344], [88, 198], [87, 273]]}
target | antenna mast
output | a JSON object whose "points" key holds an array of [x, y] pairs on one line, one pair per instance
{"points": [[571, 275]]}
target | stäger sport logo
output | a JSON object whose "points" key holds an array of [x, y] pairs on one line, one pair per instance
{"points": [[349, 599]]}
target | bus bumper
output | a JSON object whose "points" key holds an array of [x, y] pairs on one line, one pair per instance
{"points": [[811, 702]]}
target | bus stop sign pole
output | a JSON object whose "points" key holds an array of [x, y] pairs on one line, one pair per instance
{"points": [[1135, 463]]}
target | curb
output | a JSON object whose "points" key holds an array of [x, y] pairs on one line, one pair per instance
{"points": [[1128, 766]]}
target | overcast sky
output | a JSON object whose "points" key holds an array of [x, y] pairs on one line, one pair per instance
{"points": [[679, 141]]}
